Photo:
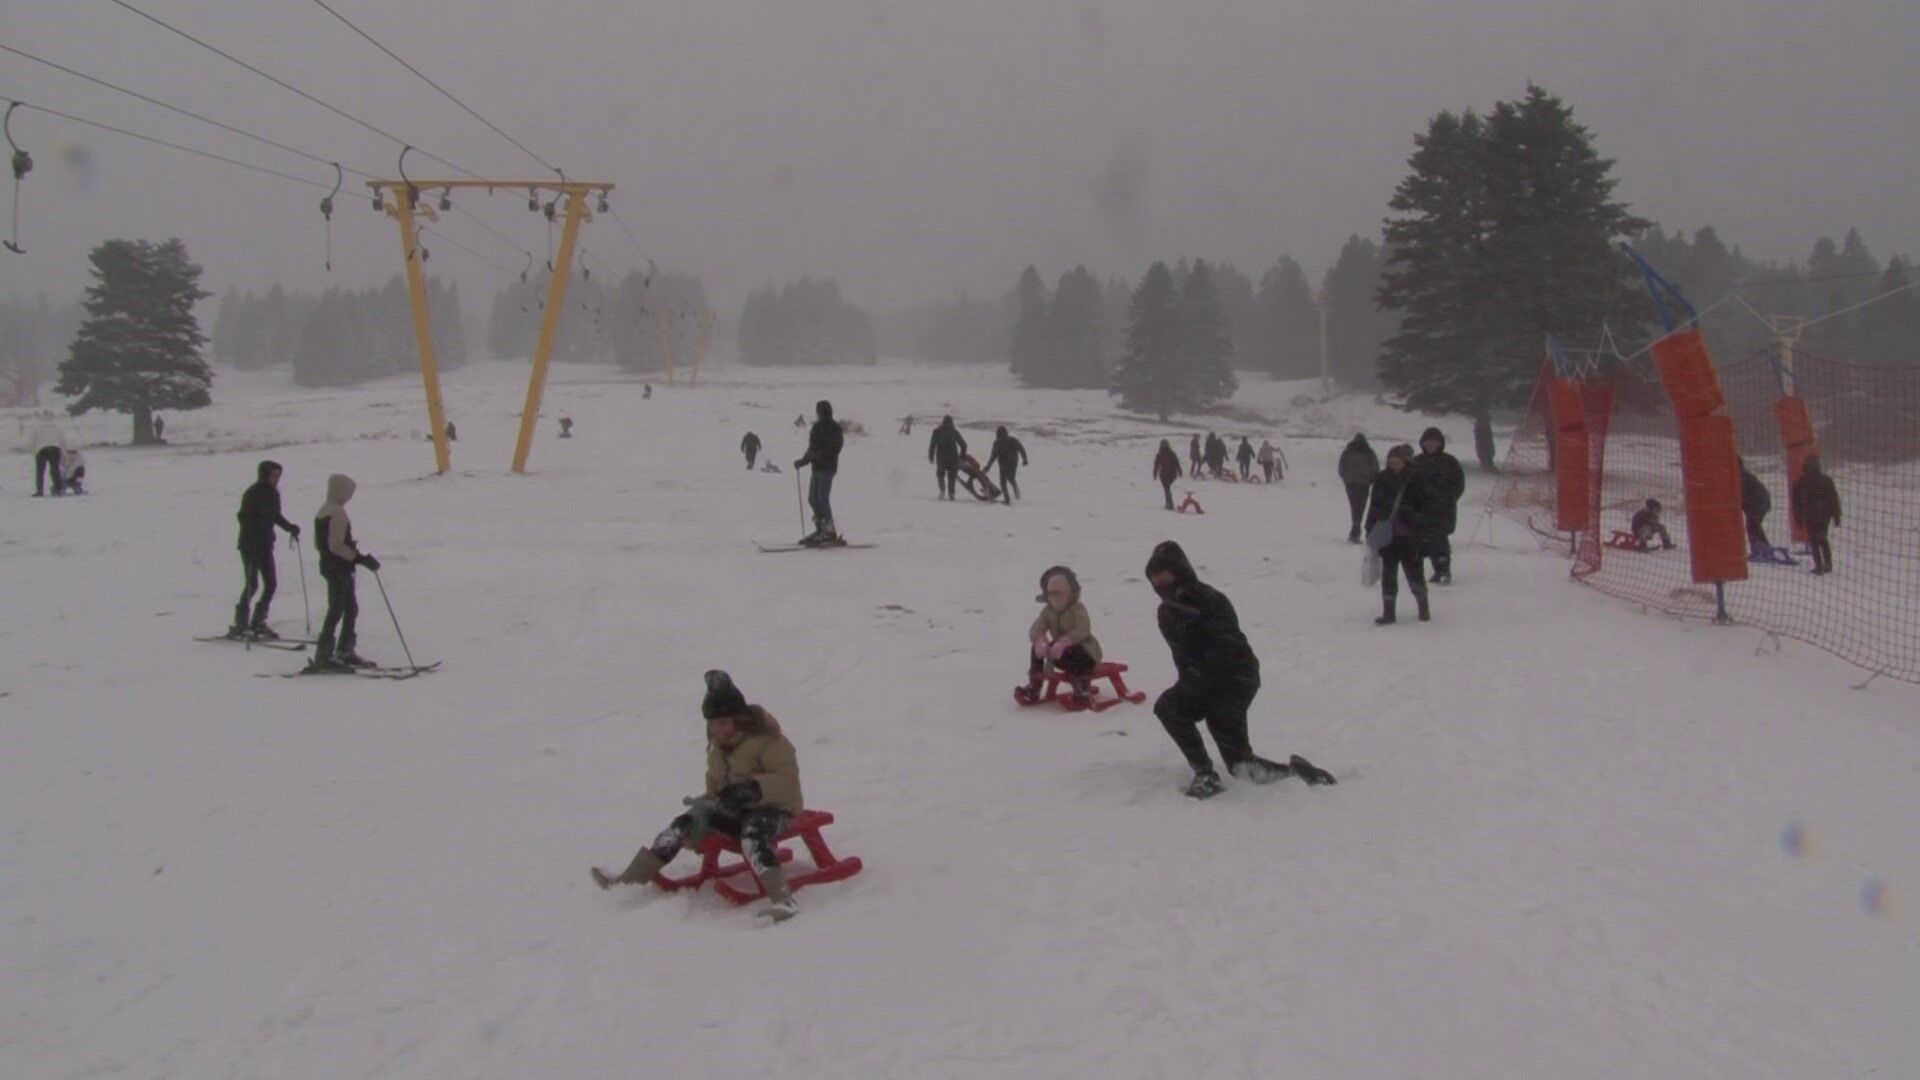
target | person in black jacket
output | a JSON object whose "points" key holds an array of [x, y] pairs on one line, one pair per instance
{"points": [[1816, 505], [1446, 482], [1216, 455], [944, 450], [750, 446], [1358, 466], [1194, 455], [1245, 456], [1218, 678], [1166, 469], [1402, 495], [1009, 454], [1755, 504], [259, 515], [823, 453], [1647, 527]]}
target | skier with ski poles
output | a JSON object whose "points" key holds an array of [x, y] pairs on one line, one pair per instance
{"points": [[259, 515]]}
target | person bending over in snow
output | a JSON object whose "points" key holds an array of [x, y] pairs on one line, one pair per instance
{"points": [[1218, 678], [750, 446], [1062, 637], [259, 514], [752, 793], [339, 556], [1646, 527], [1166, 469], [1009, 455], [1245, 456], [1755, 505], [944, 450]]}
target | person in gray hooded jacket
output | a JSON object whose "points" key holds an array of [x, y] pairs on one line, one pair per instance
{"points": [[339, 556]]}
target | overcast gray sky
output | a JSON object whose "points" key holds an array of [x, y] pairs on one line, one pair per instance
{"points": [[912, 149]]}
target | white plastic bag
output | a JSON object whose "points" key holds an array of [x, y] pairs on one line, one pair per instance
{"points": [[1370, 568]]}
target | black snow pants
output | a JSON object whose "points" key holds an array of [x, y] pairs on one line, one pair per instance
{"points": [[44, 462], [343, 610], [757, 830], [946, 477], [257, 564], [1009, 483], [1357, 503], [1183, 707]]}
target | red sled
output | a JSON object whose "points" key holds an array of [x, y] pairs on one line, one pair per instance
{"points": [[1625, 541], [1052, 681], [806, 827], [1191, 502]]}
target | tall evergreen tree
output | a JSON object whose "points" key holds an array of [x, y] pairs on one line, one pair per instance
{"points": [[1152, 376], [1286, 323], [1357, 330], [1030, 351], [1891, 330], [1209, 342], [139, 349], [1503, 232], [1236, 302], [1076, 325]]}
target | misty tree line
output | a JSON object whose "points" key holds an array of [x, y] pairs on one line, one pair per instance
{"points": [[620, 323], [339, 337], [805, 321], [33, 334]]}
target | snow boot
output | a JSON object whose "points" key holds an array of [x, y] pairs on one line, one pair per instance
{"points": [[645, 864], [780, 906], [327, 666], [263, 632], [1205, 785], [1030, 693], [1386, 612], [1443, 570], [1309, 772], [1082, 696], [353, 660], [238, 632], [1258, 770]]}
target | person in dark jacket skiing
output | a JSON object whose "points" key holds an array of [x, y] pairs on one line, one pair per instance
{"points": [[1402, 495], [1647, 527], [1816, 505], [340, 555], [1755, 504], [259, 515], [752, 792], [1166, 469], [1195, 457], [1358, 466], [750, 446], [1009, 455], [1218, 678], [824, 442], [944, 450], [1245, 456], [1446, 482]]}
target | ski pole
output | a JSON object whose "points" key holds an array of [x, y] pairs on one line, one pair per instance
{"points": [[305, 604], [396, 620], [800, 502]]}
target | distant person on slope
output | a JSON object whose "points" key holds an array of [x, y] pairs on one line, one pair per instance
{"points": [[752, 793], [1195, 457], [1403, 502], [1216, 455], [906, 424], [1009, 455], [1647, 527], [159, 428], [750, 446], [1266, 457], [1755, 504], [1245, 456], [1166, 469], [1446, 481], [1816, 505], [1358, 466], [824, 442], [259, 515], [1061, 636], [339, 556], [47, 460], [1218, 678], [944, 450], [566, 427], [72, 479]]}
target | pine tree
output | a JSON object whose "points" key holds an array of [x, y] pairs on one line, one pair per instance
{"points": [[1151, 377], [1030, 349], [1236, 302], [139, 349], [1891, 326], [1209, 342], [1357, 329], [1076, 325], [1503, 232], [1286, 323]]}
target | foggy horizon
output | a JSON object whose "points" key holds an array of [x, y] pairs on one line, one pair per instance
{"points": [[911, 155]]}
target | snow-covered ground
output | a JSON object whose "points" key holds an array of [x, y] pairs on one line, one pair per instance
{"points": [[1570, 839]]}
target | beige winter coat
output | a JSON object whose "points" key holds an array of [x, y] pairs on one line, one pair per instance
{"points": [[762, 754], [1073, 624]]}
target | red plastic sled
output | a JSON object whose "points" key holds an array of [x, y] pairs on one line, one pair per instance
{"points": [[806, 827], [1625, 541], [1190, 502], [1052, 681]]}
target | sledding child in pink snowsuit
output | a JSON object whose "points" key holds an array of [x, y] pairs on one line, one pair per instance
{"points": [[1061, 637]]}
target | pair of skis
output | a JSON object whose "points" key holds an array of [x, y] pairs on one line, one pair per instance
{"points": [[252, 641], [827, 546], [301, 645]]}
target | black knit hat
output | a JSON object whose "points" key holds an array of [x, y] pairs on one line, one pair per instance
{"points": [[723, 698]]}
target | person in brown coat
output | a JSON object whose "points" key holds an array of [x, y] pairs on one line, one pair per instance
{"points": [[752, 794], [1061, 636], [1816, 505]]}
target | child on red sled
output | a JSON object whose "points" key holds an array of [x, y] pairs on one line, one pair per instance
{"points": [[752, 794], [1061, 637]]}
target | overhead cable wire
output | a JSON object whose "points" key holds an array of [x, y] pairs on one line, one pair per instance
{"points": [[169, 145], [395, 139], [491, 126]]}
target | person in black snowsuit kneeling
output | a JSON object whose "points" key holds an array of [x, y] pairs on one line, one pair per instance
{"points": [[1446, 482], [1009, 455], [339, 555], [750, 446], [1402, 497], [1358, 466], [259, 515], [1646, 527], [1218, 678], [944, 450], [1755, 505]]}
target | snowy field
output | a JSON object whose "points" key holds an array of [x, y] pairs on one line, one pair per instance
{"points": [[1570, 839]]}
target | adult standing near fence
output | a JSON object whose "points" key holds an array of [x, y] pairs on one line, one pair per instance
{"points": [[1816, 505], [1358, 466], [1755, 503], [1446, 482]]}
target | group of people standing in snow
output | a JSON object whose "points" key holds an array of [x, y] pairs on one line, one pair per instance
{"points": [[1209, 458], [1406, 513], [339, 557]]}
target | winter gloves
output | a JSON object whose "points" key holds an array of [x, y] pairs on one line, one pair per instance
{"points": [[367, 561], [740, 795]]}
